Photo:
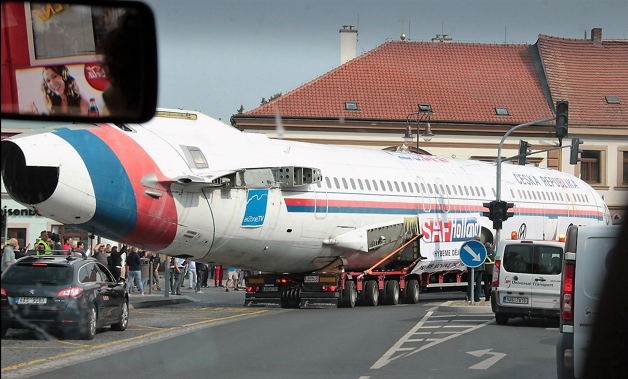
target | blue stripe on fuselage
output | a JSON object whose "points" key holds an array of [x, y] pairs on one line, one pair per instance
{"points": [[116, 207]]}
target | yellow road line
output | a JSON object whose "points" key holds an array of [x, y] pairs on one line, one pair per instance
{"points": [[65, 355]]}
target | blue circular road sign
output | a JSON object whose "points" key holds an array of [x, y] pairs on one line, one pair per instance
{"points": [[472, 253]]}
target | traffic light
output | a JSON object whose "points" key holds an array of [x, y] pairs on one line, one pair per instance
{"points": [[491, 208], [505, 210], [523, 152], [574, 156], [562, 119]]}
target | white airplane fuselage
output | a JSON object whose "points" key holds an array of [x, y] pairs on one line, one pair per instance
{"points": [[197, 187]]}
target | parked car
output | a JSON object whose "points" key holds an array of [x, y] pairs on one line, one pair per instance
{"points": [[62, 292]]}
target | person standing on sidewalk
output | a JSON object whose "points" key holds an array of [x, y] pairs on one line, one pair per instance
{"points": [[178, 275], [218, 272], [232, 275], [487, 274], [156, 261], [134, 270], [201, 273], [192, 274]]}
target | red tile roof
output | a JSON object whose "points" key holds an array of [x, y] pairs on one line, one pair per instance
{"points": [[462, 82], [585, 73]]}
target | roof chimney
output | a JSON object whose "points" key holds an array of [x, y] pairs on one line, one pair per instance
{"points": [[348, 42], [596, 36]]}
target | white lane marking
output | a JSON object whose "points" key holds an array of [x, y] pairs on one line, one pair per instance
{"points": [[487, 362], [388, 356]]}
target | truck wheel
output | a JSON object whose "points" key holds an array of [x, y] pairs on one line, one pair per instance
{"points": [[371, 294], [383, 299], [392, 292], [349, 295], [412, 291], [501, 319]]}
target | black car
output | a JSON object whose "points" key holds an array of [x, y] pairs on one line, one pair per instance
{"points": [[62, 292]]}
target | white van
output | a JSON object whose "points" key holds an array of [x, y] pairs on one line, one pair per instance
{"points": [[526, 279], [584, 271]]}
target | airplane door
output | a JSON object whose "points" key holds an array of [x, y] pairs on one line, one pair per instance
{"points": [[426, 200], [442, 195], [321, 204]]}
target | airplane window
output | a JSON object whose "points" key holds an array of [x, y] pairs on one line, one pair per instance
{"points": [[197, 157], [544, 198], [519, 191], [381, 182], [552, 196], [366, 181], [344, 183], [524, 195], [494, 193], [466, 190], [352, 183], [403, 186], [442, 189], [336, 182], [423, 188], [360, 184], [477, 192], [389, 186], [328, 182], [429, 187], [436, 189], [397, 186], [454, 188], [410, 187], [512, 193], [460, 190], [448, 191], [484, 193], [375, 185], [529, 195], [586, 198], [561, 196]]}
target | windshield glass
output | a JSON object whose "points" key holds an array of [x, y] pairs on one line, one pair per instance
{"points": [[49, 275]]}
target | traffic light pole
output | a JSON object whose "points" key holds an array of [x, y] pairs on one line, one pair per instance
{"points": [[498, 186]]}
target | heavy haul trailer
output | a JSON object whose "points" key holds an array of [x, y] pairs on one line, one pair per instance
{"points": [[335, 289]]}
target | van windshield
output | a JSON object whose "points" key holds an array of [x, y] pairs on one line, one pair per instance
{"points": [[533, 259]]}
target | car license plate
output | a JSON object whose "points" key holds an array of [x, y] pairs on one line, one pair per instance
{"points": [[515, 300], [32, 300], [269, 289]]}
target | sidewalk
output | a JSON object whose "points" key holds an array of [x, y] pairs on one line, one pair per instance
{"points": [[462, 307]]}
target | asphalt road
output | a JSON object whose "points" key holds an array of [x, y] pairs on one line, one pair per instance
{"points": [[219, 338]]}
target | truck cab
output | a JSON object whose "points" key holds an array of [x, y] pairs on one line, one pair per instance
{"points": [[526, 279]]}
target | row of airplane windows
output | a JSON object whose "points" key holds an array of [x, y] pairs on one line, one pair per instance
{"points": [[440, 189]]}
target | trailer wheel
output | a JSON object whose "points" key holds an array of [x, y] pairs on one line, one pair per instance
{"points": [[392, 292], [412, 292], [371, 294], [349, 295]]}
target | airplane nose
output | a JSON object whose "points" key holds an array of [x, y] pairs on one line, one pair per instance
{"points": [[27, 184]]}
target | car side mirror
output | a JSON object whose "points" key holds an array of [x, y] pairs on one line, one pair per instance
{"points": [[79, 61]]}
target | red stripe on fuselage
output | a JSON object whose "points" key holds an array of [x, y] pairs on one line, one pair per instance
{"points": [[156, 224]]}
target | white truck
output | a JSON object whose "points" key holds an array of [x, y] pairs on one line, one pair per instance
{"points": [[585, 264]]}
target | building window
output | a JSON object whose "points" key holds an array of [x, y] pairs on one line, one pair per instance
{"points": [[351, 106], [622, 167], [590, 167]]}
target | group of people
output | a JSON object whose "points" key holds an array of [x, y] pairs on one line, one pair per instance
{"points": [[482, 274]]}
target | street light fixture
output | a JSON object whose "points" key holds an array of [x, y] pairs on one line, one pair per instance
{"points": [[424, 112]]}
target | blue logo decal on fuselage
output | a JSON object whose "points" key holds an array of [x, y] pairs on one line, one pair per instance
{"points": [[255, 212]]}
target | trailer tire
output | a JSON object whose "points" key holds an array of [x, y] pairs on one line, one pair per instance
{"points": [[371, 293], [349, 295], [392, 292], [412, 292]]}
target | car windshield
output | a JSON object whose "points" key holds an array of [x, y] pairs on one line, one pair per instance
{"points": [[50, 275]]}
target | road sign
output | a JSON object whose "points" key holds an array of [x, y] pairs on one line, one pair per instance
{"points": [[472, 253]]}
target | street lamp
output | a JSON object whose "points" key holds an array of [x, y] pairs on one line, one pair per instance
{"points": [[424, 112]]}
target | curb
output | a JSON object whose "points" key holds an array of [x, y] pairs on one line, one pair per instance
{"points": [[464, 309], [142, 303]]}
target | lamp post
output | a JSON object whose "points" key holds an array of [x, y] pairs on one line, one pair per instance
{"points": [[424, 112]]}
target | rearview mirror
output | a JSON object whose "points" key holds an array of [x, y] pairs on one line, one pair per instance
{"points": [[89, 61]]}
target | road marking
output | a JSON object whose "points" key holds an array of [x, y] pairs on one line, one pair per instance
{"points": [[487, 362], [397, 348]]}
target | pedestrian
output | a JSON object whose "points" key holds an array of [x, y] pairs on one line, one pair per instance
{"points": [[487, 274], [178, 275], [116, 262], [475, 280], [192, 274], [8, 255], [232, 274], [74, 250], [201, 274], [100, 254], [134, 270], [68, 244], [155, 259], [218, 272], [43, 241]]}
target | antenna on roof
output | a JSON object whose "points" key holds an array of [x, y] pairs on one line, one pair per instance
{"points": [[505, 43]]}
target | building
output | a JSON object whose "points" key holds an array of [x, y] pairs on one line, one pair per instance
{"points": [[469, 95]]}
